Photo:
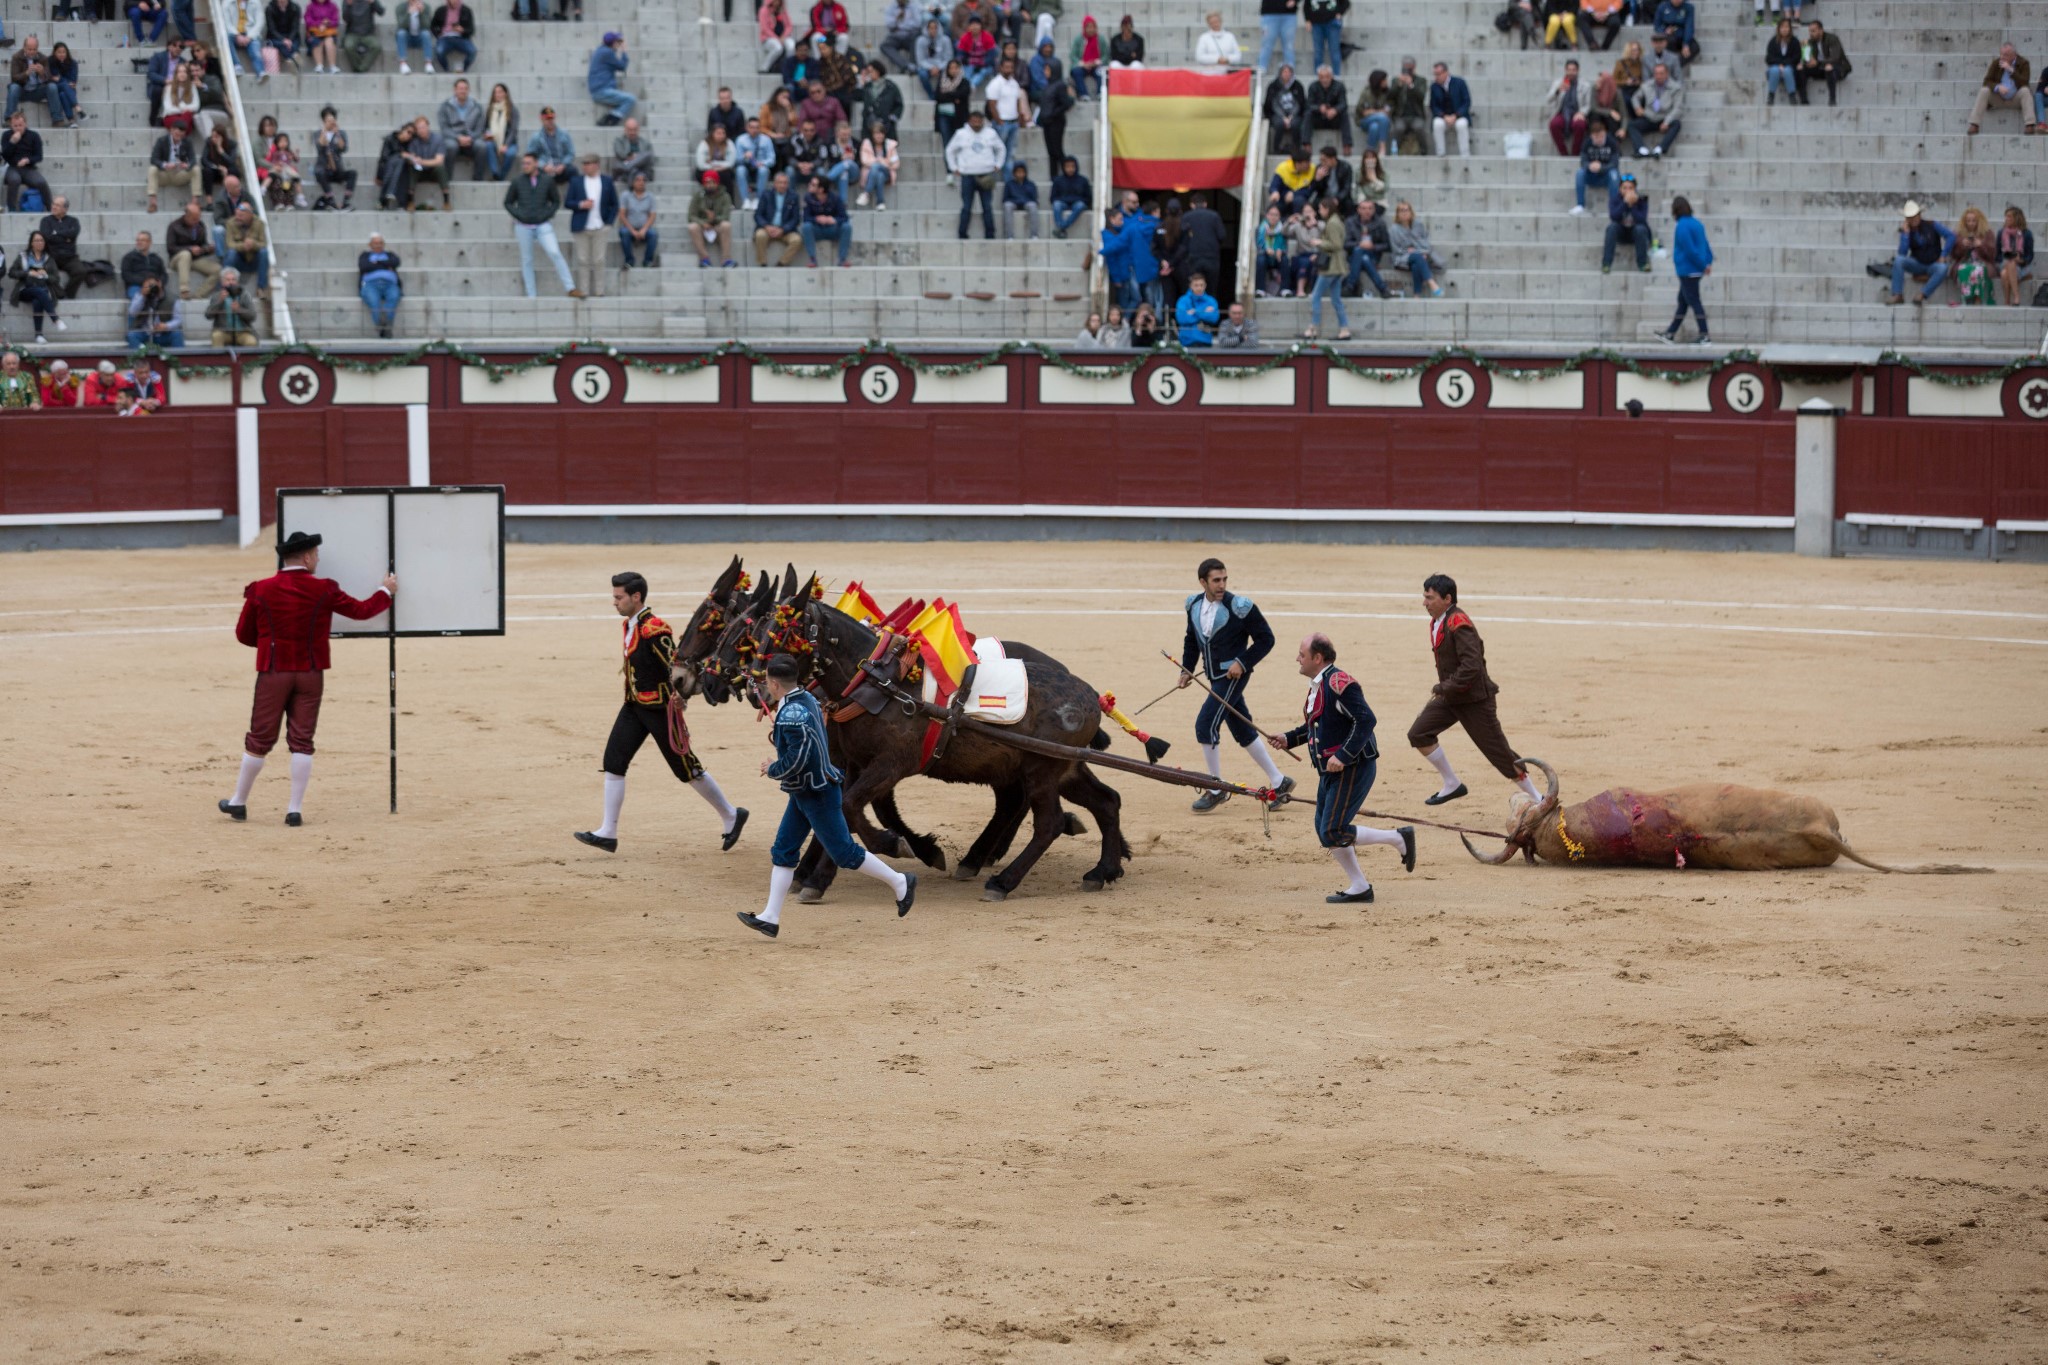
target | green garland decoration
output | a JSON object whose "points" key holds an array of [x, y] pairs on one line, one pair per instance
{"points": [[498, 371], [1964, 381]]}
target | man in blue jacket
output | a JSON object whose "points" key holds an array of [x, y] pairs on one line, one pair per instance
{"points": [[1116, 262], [1450, 106], [607, 66], [1337, 725], [1197, 312], [1923, 253], [803, 765], [1677, 20], [778, 223], [1693, 259], [1138, 229], [594, 197], [1226, 637], [825, 220]]}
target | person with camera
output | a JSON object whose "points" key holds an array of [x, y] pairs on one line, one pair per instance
{"points": [[155, 317], [232, 312]]}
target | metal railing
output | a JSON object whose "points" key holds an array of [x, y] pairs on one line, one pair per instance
{"points": [[223, 38]]}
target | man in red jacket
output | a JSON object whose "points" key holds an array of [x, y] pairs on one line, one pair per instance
{"points": [[287, 617]]}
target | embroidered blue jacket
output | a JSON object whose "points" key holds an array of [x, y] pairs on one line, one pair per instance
{"points": [[1242, 636], [803, 761], [1336, 720]]}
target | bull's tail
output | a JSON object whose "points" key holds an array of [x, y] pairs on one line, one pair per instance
{"points": [[1841, 847]]}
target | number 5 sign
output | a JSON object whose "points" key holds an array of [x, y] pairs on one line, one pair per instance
{"points": [[1455, 386], [1745, 391]]}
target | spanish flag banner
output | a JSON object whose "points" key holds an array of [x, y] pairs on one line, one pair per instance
{"points": [[1179, 130], [945, 644], [856, 603]]}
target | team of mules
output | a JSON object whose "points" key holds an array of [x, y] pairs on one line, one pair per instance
{"points": [[878, 749]]}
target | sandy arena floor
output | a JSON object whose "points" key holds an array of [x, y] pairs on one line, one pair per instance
{"points": [[450, 1087]]}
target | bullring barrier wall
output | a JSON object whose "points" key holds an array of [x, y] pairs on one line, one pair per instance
{"points": [[596, 442]]}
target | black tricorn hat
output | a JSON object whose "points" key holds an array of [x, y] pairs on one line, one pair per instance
{"points": [[298, 542]]}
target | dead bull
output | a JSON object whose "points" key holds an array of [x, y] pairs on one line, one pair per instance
{"points": [[1743, 829]]}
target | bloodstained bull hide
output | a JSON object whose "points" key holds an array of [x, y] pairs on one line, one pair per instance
{"points": [[1741, 829]]}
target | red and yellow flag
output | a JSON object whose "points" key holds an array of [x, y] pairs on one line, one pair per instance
{"points": [[1179, 130], [945, 644], [856, 603]]}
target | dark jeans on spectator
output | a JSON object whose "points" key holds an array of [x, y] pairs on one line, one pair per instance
{"points": [[18, 176], [1362, 264], [1639, 234], [970, 187], [258, 261], [1802, 75], [39, 300], [182, 18], [1643, 132], [142, 337], [447, 46], [329, 179], [1609, 29]]}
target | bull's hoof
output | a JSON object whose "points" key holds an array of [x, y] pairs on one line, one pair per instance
{"points": [[964, 873], [1092, 883], [809, 895], [1070, 823]]}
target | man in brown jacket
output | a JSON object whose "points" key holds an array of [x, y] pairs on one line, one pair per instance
{"points": [[1463, 695], [2005, 87]]}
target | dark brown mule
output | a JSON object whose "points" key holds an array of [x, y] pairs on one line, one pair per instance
{"points": [[886, 747]]}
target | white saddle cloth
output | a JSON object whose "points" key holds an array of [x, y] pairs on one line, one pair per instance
{"points": [[1001, 690]]}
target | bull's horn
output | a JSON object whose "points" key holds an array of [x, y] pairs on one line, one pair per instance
{"points": [[1549, 775], [1496, 860]]}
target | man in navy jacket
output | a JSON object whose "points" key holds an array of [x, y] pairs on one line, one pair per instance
{"points": [[778, 223], [803, 765], [595, 200], [1450, 106], [1226, 637], [1337, 725]]}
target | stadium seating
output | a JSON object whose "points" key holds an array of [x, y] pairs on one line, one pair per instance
{"points": [[1796, 199]]}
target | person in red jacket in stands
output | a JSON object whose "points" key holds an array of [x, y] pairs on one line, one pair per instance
{"points": [[101, 389], [286, 619], [60, 386], [829, 16]]}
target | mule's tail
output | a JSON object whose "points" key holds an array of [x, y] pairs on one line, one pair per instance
{"points": [[1923, 870]]}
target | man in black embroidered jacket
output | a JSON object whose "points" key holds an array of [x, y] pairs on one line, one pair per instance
{"points": [[1337, 725], [1226, 638], [649, 653]]}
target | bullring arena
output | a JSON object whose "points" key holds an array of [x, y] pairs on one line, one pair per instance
{"points": [[447, 1085], [474, 1065]]}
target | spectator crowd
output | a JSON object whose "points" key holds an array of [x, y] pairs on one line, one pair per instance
{"points": [[784, 181]]}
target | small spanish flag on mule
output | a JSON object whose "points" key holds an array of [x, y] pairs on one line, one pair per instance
{"points": [[1179, 130], [946, 645], [856, 603]]}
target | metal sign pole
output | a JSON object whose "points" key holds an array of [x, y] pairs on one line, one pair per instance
{"points": [[391, 633]]}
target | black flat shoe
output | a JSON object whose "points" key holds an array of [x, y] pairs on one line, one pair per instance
{"points": [[584, 836], [1349, 897], [234, 812], [1209, 801], [732, 836], [294, 819], [909, 895], [1407, 833], [1436, 800], [756, 922]]}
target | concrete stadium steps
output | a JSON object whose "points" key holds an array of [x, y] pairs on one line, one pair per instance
{"points": [[1796, 199]]}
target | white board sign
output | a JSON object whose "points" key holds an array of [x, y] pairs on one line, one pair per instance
{"points": [[446, 544]]}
